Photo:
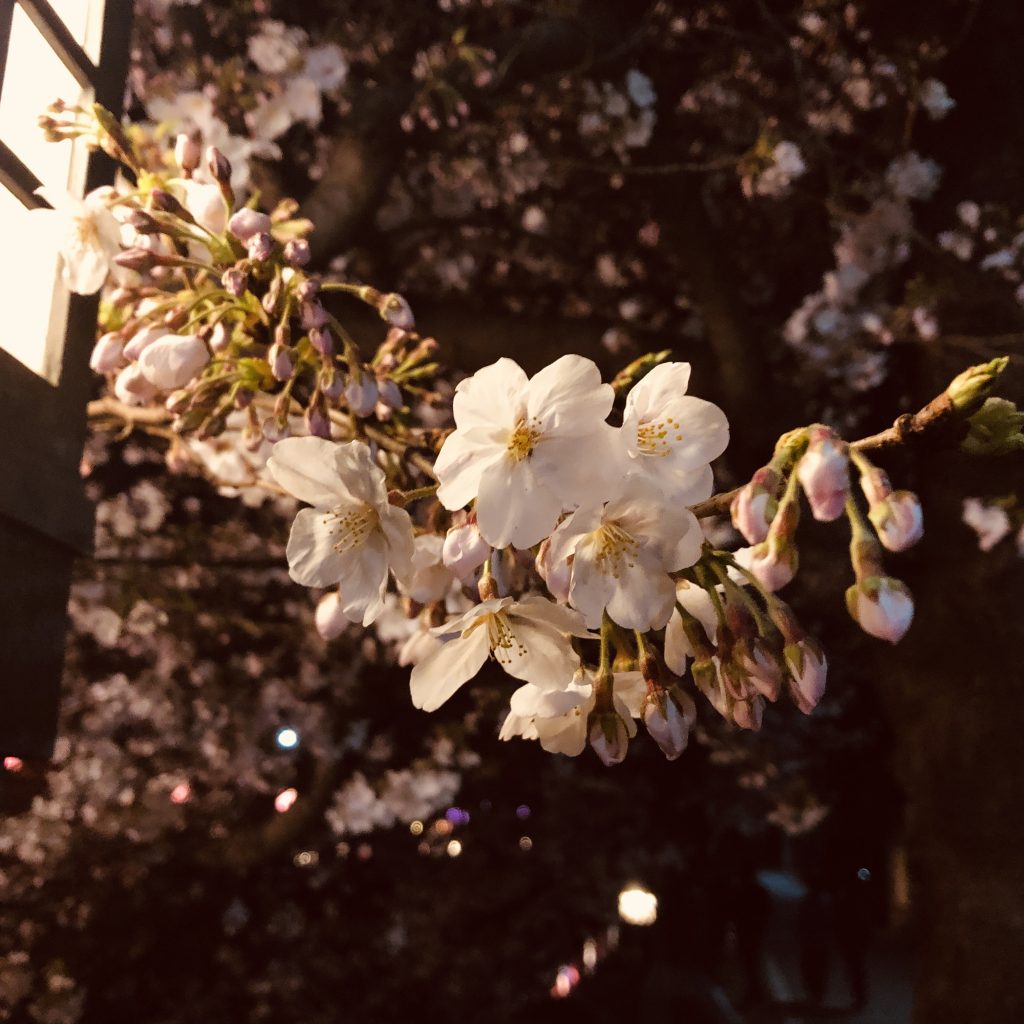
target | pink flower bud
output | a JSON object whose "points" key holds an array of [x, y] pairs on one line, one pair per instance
{"points": [[668, 724], [318, 423], [187, 153], [875, 485], [282, 365], [464, 550], [220, 339], [608, 737], [235, 282], [396, 311], [389, 393], [296, 252], [246, 222], [312, 314], [754, 507], [748, 714], [824, 473], [259, 246], [882, 606], [361, 394], [898, 520], [807, 672], [308, 289], [132, 388], [773, 565], [321, 340], [107, 354], [329, 619], [218, 165], [762, 668]]}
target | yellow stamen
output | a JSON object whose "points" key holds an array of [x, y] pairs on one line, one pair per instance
{"points": [[352, 525], [614, 547], [523, 439], [656, 437]]}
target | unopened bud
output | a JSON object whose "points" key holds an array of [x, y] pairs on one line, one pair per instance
{"points": [[138, 259], [107, 354], [331, 384], [898, 520], [307, 289], [608, 736], [296, 252], [220, 337], [321, 340], [317, 422], [874, 482], [312, 314], [389, 393], [144, 223], [218, 165], [162, 201], [754, 508], [187, 153], [247, 222], [361, 394], [235, 281], [748, 714], [970, 388], [396, 311], [882, 606], [824, 474], [282, 362], [773, 564], [808, 670], [329, 619], [260, 246], [669, 718]]}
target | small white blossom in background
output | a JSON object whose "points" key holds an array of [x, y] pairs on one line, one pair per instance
{"points": [[990, 522], [935, 99], [787, 165], [913, 177]]}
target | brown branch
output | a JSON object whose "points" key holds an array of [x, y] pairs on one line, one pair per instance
{"points": [[938, 424]]}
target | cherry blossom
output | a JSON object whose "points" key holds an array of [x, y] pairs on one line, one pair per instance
{"points": [[351, 536], [517, 443], [528, 638], [671, 437]]}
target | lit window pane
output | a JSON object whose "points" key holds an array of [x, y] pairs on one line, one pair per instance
{"points": [[33, 79], [28, 274], [83, 19]]}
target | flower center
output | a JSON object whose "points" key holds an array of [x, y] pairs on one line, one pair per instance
{"points": [[86, 232], [523, 440], [503, 639], [615, 546], [351, 526], [656, 437]]}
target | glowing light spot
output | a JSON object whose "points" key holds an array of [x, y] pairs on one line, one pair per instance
{"points": [[364, 851], [442, 826], [416, 828], [423, 849], [306, 858], [590, 954], [522, 812], [457, 816], [13, 764], [284, 800], [343, 849], [454, 848], [287, 738], [525, 844], [864, 875], [566, 980], [181, 793], [638, 905]]}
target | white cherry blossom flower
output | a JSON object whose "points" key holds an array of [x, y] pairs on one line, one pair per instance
{"points": [[622, 554], [527, 449], [86, 234], [351, 536], [558, 718], [671, 437], [529, 639], [431, 579]]}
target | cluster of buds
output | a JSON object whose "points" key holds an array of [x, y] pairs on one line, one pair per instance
{"points": [[215, 311], [766, 512]]}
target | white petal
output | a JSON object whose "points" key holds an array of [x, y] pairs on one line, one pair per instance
{"points": [[312, 560], [364, 579], [538, 654], [397, 527], [687, 548], [306, 467], [568, 397], [666, 382], [563, 619], [437, 677], [566, 735], [643, 597], [514, 507], [677, 647], [464, 457], [631, 689], [492, 397], [530, 701], [173, 361]]}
